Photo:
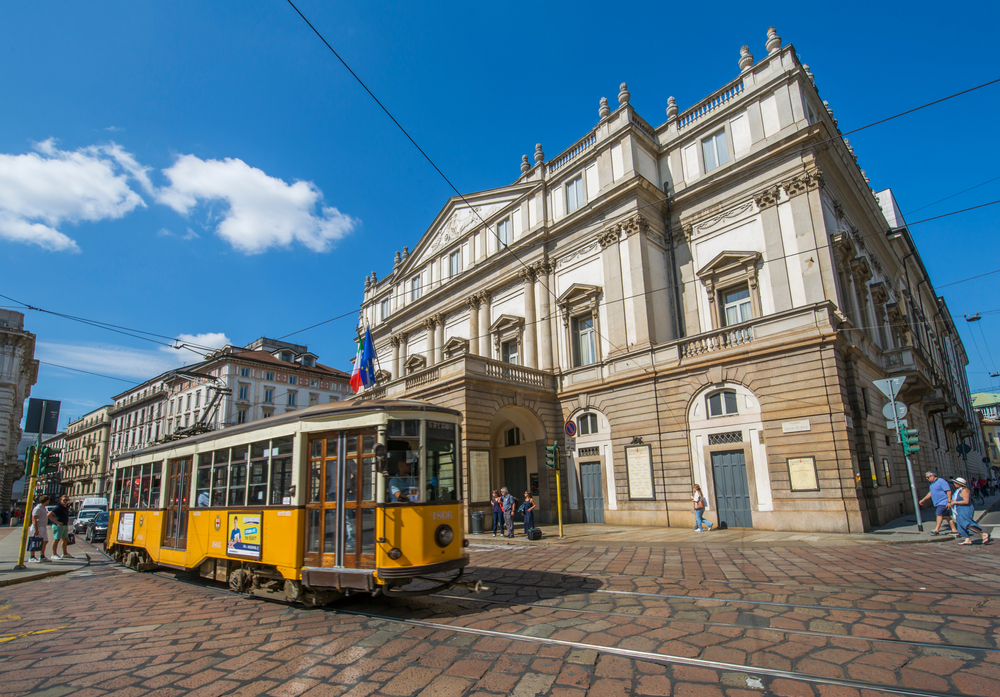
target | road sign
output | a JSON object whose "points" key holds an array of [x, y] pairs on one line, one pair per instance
{"points": [[570, 445], [887, 410], [892, 426], [43, 416], [571, 428], [890, 386], [964, 448]]}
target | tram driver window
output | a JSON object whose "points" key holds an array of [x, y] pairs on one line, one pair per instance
{"points": [[441, 462], [403, 461]]}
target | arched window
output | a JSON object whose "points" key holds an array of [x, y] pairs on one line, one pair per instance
{"points": [[722, 403], [587, 424]]}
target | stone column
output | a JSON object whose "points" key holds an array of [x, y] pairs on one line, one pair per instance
{"points": [[439, 339], [429, 324], [484, 323], [402, 354], [543, 271], [530, 325], [395, 342], [473, 302]]}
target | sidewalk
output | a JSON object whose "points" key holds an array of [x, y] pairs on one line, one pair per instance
{"points": [[10, 544], [900, 531], [907, 525]]}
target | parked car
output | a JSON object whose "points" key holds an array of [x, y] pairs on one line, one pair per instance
{"points": [[83, 519], [97, 531]]}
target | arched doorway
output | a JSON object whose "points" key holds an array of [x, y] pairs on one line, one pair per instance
{"points": [[516, 437]]}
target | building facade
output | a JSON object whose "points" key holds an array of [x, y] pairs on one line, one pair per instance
{"points": [[705, 301], [84, 466], [987, 404], [137, 416], [18, 372]]}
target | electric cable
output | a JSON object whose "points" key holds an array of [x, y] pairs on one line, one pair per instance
{"points": [[963, 191], [88, 372]]}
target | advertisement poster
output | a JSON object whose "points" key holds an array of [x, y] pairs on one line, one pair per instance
{"points": [[126, 526], [244, 535]]}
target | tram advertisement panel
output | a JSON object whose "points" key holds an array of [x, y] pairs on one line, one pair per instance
{"points": [[126, 527], [244, 535]]}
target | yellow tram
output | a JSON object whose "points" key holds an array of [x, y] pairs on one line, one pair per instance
{"points": [[307, 506]]}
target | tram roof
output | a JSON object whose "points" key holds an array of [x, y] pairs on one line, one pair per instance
{"points": [[308, 413]]}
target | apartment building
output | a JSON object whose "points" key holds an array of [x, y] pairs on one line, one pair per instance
{"points": [[84, 465], [18, 372], [708, 300]]}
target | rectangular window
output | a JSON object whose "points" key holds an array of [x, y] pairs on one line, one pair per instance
{"points": [[415, 288], [715, 151], [293, 379], [455, 263], [238, 477], [244, 372], [736, 306], [722, 404], [241, 417], [584, 341], [508, 352], [291, 399], [384, 309], [503, 233], [188, 403], [574, 195], [587, 424], [171, 406], [244, 391], [197, 398], [513, 437], [268, 395], [269, 376], [313, 399], [314, 383]]}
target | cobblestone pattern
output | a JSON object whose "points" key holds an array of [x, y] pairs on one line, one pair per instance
{"points": [[125, 633]]}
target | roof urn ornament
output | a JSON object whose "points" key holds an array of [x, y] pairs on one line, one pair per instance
{"points": [[368, 282], [773, 44], [746, 58], [398, 260], [539, 155], [374, 280], [406, 253], [623, 94], [671, 108], [525, 165], [812, 78], [605, 111]]}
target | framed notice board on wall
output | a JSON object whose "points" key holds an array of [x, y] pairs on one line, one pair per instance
{"points": [[802, 474], [479, 476], [639, 464]]}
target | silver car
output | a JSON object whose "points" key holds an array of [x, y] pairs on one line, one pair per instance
{"points": [[84, 519]]}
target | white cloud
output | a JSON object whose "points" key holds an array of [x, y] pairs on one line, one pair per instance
{"points": [[189, 234], [262, 211], [131, 363], [42, 190]]}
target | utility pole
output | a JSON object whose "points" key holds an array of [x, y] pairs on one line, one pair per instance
{"points": [[896, 410], [36, 457]]}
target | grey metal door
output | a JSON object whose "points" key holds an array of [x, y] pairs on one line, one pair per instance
{"points": [[515, 478], [593, 492], [732, 492]]}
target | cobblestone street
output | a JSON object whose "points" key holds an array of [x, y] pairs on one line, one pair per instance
{"points": [[568, 620]]}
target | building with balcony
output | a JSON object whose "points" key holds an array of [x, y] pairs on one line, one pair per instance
{"points": [[18, 372], [137, 415], [84, 466], [987, 404], [708, 301]]}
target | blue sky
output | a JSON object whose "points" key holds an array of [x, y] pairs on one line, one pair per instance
{"points": [[210, 171]]}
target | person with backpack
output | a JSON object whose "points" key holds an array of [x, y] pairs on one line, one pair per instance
{"points": [[700, 506], [529, 517], [507, 503]]}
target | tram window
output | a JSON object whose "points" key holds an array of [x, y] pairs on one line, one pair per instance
{"points": [[281, 481], [404, 429], [119, 478], [258, 483], [316, 449], [220, 476], [259, 450], [315, 481], [154, 485], [350, 479], [204, 480], [441, 462], [238, 477], [313, 525], [367, 530], [147, 470], [282, 445], [330, 531], [136, 480]]}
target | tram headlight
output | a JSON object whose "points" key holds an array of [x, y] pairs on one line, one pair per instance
{"points": [[444, 535], [394, 554]]}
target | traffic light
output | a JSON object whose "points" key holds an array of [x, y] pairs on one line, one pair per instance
{"points": [[49, 462], [909, 437], [29, 460], [552, 455]]}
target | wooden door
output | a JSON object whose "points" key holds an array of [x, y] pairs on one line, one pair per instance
{"points": [[176, 514], [515, 478], [321, 502], [359, 499], [732, 492]]}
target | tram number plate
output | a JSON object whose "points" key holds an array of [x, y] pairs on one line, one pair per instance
{"points": [[442, 515]]}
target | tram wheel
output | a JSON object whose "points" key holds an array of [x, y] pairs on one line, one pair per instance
{"points": [[239, 580], [293, 590]]}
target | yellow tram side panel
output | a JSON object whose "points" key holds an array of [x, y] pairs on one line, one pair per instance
{"points": [[208, 535], [411, 529]]}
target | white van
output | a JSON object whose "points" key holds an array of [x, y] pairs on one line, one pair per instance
{"points": [[93, 504]]}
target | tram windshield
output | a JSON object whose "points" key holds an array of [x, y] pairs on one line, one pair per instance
{"points": [[404, 483]]}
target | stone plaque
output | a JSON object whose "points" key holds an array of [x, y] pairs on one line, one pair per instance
{"points": [[479, 476], [795, 426], [639, 463], [802, 474]]}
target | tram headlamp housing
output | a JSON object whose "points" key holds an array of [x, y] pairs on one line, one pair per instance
{"points": [[394, 554], [444, 535]]}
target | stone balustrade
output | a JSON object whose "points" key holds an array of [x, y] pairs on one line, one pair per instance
{"points": [[718, 340], [573, 151], [715, 100]]}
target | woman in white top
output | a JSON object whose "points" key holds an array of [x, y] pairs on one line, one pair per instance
{"points": [[700, 504], [40, 525]]}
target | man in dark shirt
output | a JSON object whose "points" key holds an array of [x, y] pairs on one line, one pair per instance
{"points": [[60, 528]]}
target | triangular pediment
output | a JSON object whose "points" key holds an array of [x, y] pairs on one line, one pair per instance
{"points": [[456, 346], [578, 290], [504, 322], [729, 260], [460, 218]]}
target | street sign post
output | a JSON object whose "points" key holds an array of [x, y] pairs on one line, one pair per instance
{"points": [[43, 416], [896, 410]]}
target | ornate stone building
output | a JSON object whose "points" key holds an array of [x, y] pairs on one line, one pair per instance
{"points": [[18, 372], [84, 466], [708, 301]]}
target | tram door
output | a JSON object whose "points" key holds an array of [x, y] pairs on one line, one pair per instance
{"points": [[340, 508], [176, 517]]}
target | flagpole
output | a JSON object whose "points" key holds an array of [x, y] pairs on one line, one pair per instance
{"points": [[377, 362]]}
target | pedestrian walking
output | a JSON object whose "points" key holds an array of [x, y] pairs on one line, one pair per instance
{"points": [[59, 517], [39, 526], [507, 503], [961, 503], [940, 497], [700, 506], [497, 502], [529, 516]]}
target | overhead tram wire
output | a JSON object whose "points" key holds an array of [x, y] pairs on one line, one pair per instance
{"points": [[78, 370], [941, 200]]}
